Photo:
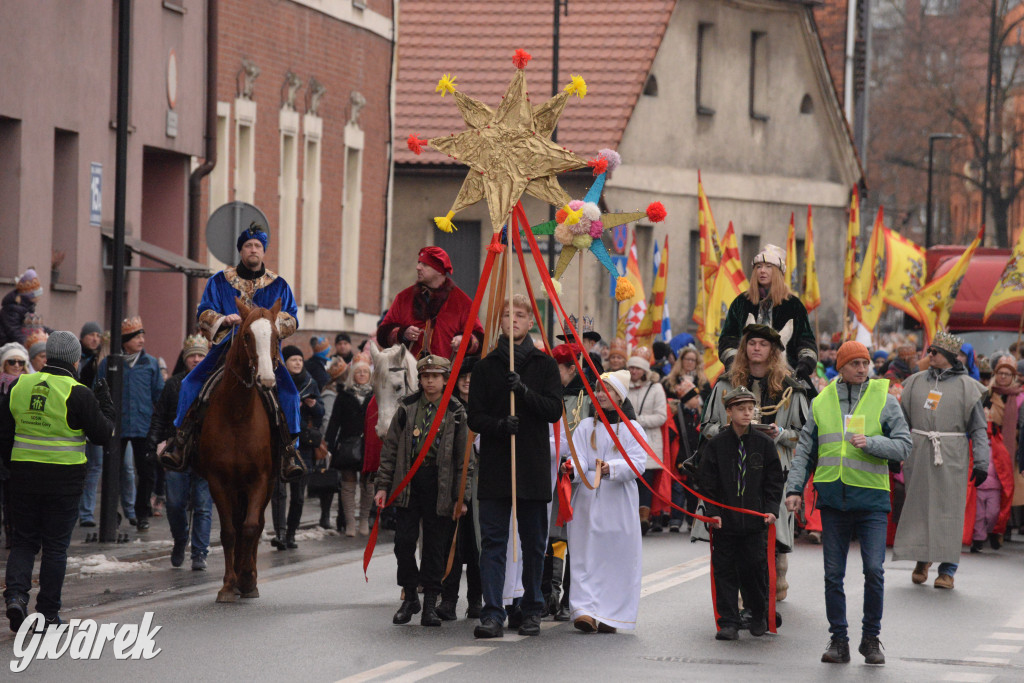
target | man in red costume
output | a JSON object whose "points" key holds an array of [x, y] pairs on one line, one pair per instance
{"points": [[429, 316]]}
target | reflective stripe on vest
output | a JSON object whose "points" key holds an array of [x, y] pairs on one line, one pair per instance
{"points": [[838, 459], [39, 405]]}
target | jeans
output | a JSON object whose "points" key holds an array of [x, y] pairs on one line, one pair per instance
{"points": [[93, 475], [837, 530], [437, 532], [40, 521], [646, 496], [184, 490], [948, 568], [532, 526]]}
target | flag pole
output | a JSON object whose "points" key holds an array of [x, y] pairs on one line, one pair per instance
{"points": [[579, 264], [512, 224], [817, 331], [1020, 329]]}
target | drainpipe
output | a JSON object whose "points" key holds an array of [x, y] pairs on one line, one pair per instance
{"points": [[195, 190], [385, 300], [851, 37]]}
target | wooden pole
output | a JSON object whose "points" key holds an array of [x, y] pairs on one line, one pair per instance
{"points": [[512, 225], [817, 331], [579, 265], [1020, 329]]}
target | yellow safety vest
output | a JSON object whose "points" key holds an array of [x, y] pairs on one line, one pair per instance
{"points": [[838, 459], [39, 404]]}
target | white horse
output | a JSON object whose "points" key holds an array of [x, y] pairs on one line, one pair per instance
{"points": [[394, 377]]}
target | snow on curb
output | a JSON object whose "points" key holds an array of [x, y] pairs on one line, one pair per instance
{"points": [[101, 564]]}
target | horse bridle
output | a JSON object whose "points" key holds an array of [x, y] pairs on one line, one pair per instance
{"points": [[405, 377], [253, 362]]}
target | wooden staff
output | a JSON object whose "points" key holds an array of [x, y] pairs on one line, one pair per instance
{"points": [[579, 263], [1020, 329], [512, 225]]}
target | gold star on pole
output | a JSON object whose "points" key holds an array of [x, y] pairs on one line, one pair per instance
{"points": [[509, 150]]}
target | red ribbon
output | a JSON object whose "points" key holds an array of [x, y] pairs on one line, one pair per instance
{"points": [[467, 337]]}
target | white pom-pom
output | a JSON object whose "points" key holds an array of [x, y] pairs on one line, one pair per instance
{"points": [[613, 158], [557, 287], [591, 211]]}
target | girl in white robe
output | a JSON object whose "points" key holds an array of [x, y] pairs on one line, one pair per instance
{"points": [[604, 534]]}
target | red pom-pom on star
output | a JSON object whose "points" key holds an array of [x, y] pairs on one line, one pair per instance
{"points": [[415, 144], [656, 212], [520, 58], [560, 216], [600, 165]]}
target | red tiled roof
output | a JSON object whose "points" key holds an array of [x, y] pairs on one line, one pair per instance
{"points": [[610, 43]]}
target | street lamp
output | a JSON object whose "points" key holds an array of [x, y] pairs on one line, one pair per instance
{"points": [[928, 202]]}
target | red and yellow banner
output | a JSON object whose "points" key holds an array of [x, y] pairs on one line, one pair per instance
{"points": [[904, 268], [729, 283], [812, 292], [934, 301], [1010, 287]]}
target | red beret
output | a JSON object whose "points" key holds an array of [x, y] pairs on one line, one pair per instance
{"points": [[564, 353], [436, 258]]}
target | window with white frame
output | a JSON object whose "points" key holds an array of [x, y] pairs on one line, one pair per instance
{"points": [[312, 127], [245, 150], [350, 216], [220, 185], [288, 194]]}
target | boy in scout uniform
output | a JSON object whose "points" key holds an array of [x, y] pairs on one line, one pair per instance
{"points": [[430, 498]]}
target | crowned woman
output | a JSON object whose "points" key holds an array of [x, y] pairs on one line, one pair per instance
{"points": [[604, 534]]}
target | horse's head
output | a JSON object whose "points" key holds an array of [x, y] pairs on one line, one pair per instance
{"points": [[259, 339], [394, 377]]}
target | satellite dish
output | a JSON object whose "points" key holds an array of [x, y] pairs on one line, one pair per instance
{"points": [[226, 224]]}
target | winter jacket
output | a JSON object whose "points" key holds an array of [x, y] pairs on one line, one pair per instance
{"points": [[538, 407], [348, 417], [13, 310], [789, 318], [141, 387], [398, 453], [161, 426], [651, 407], [316, 367], [85, 412], [310, 418], [893, 444], [717, 478]]}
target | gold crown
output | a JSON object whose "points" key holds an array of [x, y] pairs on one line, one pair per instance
{"points": [[35, 337], [947, 342], [131, 325], [195, 343]]}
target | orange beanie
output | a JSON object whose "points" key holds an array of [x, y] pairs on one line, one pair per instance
{"points": [[850, 350]]}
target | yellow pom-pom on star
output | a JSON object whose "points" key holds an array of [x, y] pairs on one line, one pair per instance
{"points": [[572, 217], [447, 85], [577, 86], [444, 223]]}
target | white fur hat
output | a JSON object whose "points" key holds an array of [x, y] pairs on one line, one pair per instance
{"points": [[617, 381], [772, 255]]}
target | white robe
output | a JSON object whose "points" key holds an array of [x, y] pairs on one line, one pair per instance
{"points": [[604, 535], [513, 587]]}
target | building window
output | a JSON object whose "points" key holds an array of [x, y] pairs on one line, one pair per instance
{"points": [[694, 280], [10, 194], [935, 8], [350, 216], [65, 204], [220, 186], [312, 127], [749, 246], [288, 193], [758, 74], [245, 150], [703, 32]]}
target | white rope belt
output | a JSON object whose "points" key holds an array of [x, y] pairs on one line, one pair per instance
{"points": [[936, 444]]}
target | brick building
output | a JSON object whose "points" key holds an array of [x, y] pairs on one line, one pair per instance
{"points": [[303, 124]]}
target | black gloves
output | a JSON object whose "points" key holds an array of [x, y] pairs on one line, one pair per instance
{"points": [[895, 467], [806, 367], [509, 424], [102, 393], [978, 477], [515, 383]]}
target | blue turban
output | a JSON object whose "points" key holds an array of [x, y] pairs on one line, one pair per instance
{"points": [[254, 232], [972, 367]]}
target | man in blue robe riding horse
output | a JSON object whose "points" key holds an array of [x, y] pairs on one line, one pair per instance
{"points": [[217, 315]]}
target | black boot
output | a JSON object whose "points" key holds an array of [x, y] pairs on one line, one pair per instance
{"points": [[993, 540], [475, 606], [289, 541], [278, 541], [409, 607], [429, 616], [446, 610], [976, 546], [325, 514]]}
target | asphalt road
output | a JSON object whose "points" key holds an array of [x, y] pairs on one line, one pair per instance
{"points": [[318, 620]]}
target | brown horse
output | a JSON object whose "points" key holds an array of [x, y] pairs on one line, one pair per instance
{"points": [[236, 456]]}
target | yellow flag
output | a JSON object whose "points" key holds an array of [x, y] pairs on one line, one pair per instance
{"points": [[729, 283], [904, 272], [791, 268], [812, 292], [851, 288], [632, 310], [871, 275], [650, 326], [710, 257], [1011, 283], [934, 301]]}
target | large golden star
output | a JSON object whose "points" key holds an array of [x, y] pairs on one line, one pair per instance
{"points": [[509, 151]]}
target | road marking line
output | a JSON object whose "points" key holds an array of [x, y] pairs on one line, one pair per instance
{"points": [[670, 583], [1006, 649], [507, 638], [1016, 621], [465, 650], [370, 674], [1007, 636], [665, 573], [425, 672], [545, 625], [968, 678], [987, 660]]}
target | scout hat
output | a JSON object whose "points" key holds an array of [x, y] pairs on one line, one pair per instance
{"points": [[433, 365], [763, 332], [738, 395]]}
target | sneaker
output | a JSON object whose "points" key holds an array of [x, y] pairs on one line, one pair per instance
{"points": [[142, 525], [728, 633], [871, 648], [944, 581], [976, 546], [920, 574], [199, 564], [17, 611], [178, 553], [674, 526], [530, 625], [837, 652]]}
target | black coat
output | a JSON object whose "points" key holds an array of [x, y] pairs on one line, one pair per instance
{"points": [[161, 425], [538, 408], [348, 417], [789, 318], [316, 367], [764, 479]]}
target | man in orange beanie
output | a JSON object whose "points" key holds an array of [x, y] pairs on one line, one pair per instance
{"points": [[855, 430]]}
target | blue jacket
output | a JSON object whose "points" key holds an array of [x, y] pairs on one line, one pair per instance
{"points": [[139, 394], [893, 444]]}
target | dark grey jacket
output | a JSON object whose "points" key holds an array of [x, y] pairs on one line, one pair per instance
{"points": [[397, 454]]}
